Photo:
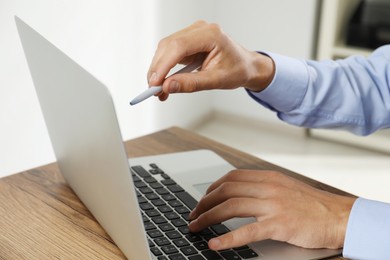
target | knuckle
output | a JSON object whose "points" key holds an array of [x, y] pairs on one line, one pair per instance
{"points": [[192, 86], [215, 28], [233, 203], [228, 238], [252, 231], [273, 176], [162, 42], [177, 43], [233, 174], [225, 188], [200, 22]]}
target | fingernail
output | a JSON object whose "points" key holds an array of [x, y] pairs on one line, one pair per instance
{"points": [[215, 243], [174, 86], [153, 78]]}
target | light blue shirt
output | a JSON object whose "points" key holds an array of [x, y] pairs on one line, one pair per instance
{"points": [[351, 94]]}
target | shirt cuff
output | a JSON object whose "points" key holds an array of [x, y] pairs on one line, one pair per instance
{"points": [[288, 86], [368, 231]]}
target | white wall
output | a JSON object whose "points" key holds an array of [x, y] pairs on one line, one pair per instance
{"points": [[115, 41], [282, 26]]}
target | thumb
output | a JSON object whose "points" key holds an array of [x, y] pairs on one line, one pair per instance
{"points": [[242, 236], [191, 82]]}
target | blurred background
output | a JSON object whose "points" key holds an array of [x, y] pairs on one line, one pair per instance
{"points": [[115, 41]]}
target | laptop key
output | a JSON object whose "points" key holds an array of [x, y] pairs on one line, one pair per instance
{"points": [[173, 234], [146, 206], [171, 215], [145, 218], [151, 243], [182, 210], [177, 257], [168, 197], [162, 258], [136, 178], [140, 184], [162, 191], [184, 230], [141, 199], [165, 176], [179, 222], [175, 188], [156, 185], [150, 180], [220, 229], [164, 209], [186, 216], [152, 196], [187, 199], [168, 182], [156, 251], [241, 248], [206, 231], [181, 242], [149, 226], [154, 233], [140, 171], [162, 241], [159, 220], [201, 245], [158, 202], [212, 255], [193, 237], [189, 250], [196, 257], [230, 255], [152, 213], [247, 253], [169, 249], [175, 203], [146, 190], [166, 227], [208, 237], [153, 165]]}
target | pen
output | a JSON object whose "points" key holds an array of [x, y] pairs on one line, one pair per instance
{"points": [[152, 90]]}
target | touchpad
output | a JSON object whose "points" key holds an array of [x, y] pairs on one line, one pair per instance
{"points": [[202, 187]]}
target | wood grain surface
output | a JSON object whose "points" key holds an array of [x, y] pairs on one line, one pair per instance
{"points": [[41, 217]]}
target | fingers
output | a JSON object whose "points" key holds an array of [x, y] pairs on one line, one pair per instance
{"points": [[234, 207], [252, 176], [226, 191], [191, 82], [197, 38], [244, 235]]}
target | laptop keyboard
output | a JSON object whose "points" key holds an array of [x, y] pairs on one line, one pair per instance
{"points": [[165, 207]]}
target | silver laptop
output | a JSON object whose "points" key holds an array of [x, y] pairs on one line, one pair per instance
{"points": [[142, 203]]}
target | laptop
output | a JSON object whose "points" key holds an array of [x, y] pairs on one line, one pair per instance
{"points": [[142, 203]]}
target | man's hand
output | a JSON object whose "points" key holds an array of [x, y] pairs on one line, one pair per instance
{"points": [[285, 209], [226, 65]]}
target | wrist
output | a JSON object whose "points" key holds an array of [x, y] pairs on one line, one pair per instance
{"points": [[261, 72], [342, 221]]}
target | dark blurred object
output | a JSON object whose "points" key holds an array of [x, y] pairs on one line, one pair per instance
{"points": [[369, 25]]}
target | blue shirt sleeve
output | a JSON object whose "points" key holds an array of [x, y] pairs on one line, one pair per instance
{"points": [[351, 94], [368, 231]]}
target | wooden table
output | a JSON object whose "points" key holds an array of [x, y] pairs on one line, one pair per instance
{"points": [[41, 217]]}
